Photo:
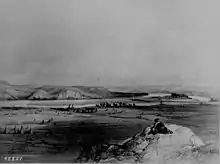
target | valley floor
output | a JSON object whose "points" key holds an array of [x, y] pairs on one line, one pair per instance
{"points": [[61, 136]]}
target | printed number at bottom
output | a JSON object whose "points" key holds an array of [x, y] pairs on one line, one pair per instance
{"points": [[12, 158]]}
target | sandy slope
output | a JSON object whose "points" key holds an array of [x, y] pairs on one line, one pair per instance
{"points": [[181, 147]]}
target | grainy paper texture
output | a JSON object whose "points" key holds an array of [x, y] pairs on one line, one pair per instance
{"points": [[109, 81]]}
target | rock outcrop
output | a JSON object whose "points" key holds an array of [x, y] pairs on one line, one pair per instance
{"points": [[183, 146]]}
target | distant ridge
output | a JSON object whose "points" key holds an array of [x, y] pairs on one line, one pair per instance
{"points": [[59, 92], [2, 82]]}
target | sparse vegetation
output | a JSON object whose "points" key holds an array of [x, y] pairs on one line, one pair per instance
{"points": [[92, 129]]}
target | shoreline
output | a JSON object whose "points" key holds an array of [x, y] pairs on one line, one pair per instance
{"points": [[60, 103]]}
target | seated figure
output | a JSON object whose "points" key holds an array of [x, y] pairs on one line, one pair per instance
{"points": [[159, 127]]}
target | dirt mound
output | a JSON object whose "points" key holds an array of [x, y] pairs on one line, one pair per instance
{"points": [[183, 146]]}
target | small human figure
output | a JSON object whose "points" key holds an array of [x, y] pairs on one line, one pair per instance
{"points": [[159, 127]]}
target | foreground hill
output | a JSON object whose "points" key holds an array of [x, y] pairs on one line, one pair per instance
{"points": [[181, 147]]}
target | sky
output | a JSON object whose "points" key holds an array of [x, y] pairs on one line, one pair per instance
{"points": [[110, 42]]}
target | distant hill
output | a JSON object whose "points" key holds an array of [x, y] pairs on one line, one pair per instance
{"points": [[166, 89], [4, 95], [51, 92], [40, 95], [3, 83]]}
